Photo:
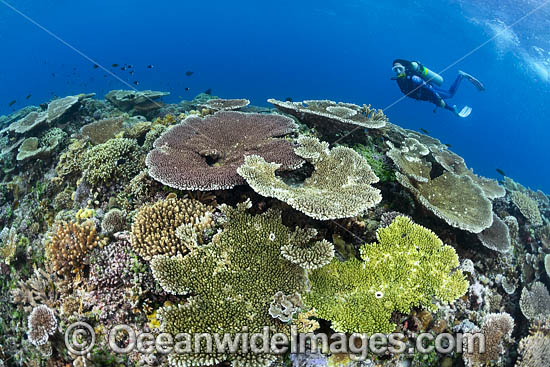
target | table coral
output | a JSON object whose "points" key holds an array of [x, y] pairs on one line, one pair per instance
{"points": [[455, 199], [204, 153], [338, 188], [232, 281], [497, 236], [409, 266]]}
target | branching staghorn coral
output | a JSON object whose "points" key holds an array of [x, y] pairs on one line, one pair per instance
{"points": [[204, 153], [232, 282], [338, 188], [70, 245], [409, 266], [155, 227]]}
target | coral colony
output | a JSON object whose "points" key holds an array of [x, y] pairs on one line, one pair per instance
{"points": [[214, 216]]}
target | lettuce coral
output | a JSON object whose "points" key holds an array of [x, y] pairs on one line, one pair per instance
{"points": [[409, 266], [232, 282], [338, 188]]}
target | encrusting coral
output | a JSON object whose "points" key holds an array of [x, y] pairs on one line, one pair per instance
{"points": [[42, 323], [232, 281], [527, 206], [497, 328], [100, 131], [70, 245], [338, 188], [409, 266], [155, 227], [204, 153], [330, 113], [284, 306]]}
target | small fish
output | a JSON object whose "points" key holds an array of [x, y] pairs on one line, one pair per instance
{"points": [[448, 145], [28, 96], [53, 74], [186, 89], [189, 73], [131, 72], [424, 131], [115, 65], [12, 103], [288, 99], [500, 171], [123, 68], [74, 69], [96, 66], [150, 66], [129, 66], [208, 91], [136, 82]]}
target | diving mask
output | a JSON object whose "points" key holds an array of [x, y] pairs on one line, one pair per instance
{"points": [[399, 70]]}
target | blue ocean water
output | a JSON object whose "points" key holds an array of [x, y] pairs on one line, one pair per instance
{"points": [[339, 50]]}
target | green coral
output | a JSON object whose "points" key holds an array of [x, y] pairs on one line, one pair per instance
{"points": [[112, 160], [380, 168], [232, 281], [409, 266]]}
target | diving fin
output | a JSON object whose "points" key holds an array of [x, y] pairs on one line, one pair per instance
{"points": [[472, 80], [465, 112]]}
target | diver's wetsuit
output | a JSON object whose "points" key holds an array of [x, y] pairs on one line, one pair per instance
{"points": [[415, 87]]}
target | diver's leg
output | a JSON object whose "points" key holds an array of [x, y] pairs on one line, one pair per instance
{"points": [[446, 94]]}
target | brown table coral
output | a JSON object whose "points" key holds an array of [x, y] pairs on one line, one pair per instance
{"points": [[204, 153]]}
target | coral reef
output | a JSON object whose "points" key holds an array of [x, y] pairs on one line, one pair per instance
{"points": [[534, 349], [204, 154], [338, 188], [302, 251], [408, 266], [284, 306], [232, 281], [156, 227]]}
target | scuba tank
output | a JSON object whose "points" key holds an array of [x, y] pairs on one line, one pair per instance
{"points": [[427, 74], [416, 68]]}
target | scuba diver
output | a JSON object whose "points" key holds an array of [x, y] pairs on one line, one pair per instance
{"points": [[418, 82]]}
